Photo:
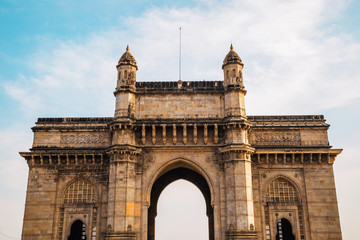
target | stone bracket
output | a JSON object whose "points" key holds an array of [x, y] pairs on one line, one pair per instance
{"points": [[300, 156], [237, 148], [124, 149]]}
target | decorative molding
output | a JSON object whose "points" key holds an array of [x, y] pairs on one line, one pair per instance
{"points": [[276, 138], [83, 139], [269, 157], [66, 158]]}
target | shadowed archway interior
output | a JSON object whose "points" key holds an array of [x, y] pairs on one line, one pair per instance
{"points": [[284, 230], [77, 231], [169, 177]]}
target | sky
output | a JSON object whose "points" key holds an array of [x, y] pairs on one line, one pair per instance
{"points": [[58, 59]]}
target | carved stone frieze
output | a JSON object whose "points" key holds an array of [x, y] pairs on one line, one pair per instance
{"points": [[82, 140], [275, 138]]}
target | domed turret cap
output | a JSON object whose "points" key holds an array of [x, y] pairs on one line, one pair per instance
{"points": [[232, 57], [127, 59]]}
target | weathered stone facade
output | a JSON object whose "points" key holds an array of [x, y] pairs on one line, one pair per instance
{"points": [[263, 177]]}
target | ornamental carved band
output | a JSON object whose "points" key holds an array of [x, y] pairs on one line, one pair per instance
{"points": [[277, 138], [82, 140]]}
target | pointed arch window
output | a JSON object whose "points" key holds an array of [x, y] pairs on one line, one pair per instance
{"points": [[80, 191], [281, 190]]}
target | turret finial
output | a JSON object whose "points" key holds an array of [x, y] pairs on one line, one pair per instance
{"points": [[231, 57], [127, 59]]}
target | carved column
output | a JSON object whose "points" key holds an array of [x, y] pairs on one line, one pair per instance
{"points": [[122, 203], [143, 134], [184, 133], [238, 182], [195, 134], [205, 134], [164, 134], [216, 136], [174, 134], [238, 192], [123, 220], [153, 134]]}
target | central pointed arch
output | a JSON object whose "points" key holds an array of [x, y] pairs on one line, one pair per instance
{"points": [[171, 173]]}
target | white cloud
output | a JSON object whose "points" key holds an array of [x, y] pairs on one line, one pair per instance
{"points": [[72, 79], [293, 64]]}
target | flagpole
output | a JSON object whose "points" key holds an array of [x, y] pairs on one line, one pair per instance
{"points": [[180, 54]]}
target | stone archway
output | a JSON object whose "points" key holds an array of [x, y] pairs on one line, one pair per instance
{"points": [[77, 231], [284, 230], [169, 177]]}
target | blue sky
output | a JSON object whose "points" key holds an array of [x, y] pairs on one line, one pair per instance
{"points": [[58, 59]]}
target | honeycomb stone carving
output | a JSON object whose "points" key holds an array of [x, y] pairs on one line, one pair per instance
{"points": [[276, 138], [82, 140]]}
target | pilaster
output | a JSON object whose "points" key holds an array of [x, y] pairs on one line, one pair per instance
{"points": [[123, 206], [239, 197], [122, 202]]}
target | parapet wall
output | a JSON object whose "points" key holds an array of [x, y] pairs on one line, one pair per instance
{"points": [[266, 131]]}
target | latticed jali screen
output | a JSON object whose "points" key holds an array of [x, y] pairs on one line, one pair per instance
{"points": [[281, 190], [80, 192]]}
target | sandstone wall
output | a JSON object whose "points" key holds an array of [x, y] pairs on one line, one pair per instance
{"points": [[322, 203], [178, 105], [40, 204]]}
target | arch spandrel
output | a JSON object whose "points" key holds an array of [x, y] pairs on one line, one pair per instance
{"points": [[179, 163]]}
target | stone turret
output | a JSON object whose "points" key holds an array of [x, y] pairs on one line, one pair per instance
{"points": [[233, 84], [126, 68], [232, 66], [125, 87]]}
